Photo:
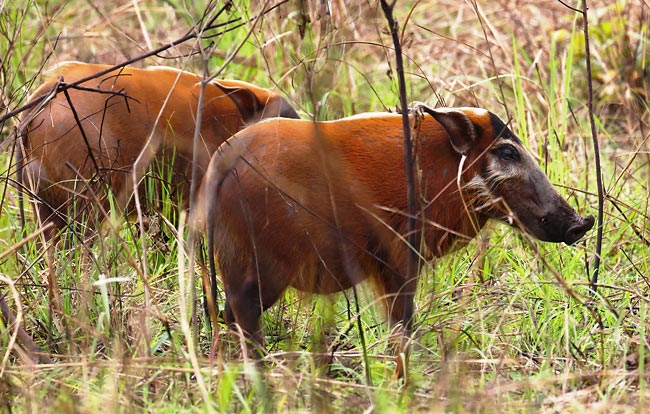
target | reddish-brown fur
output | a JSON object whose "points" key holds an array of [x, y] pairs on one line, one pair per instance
{"points": [[151, 111], [321, 206]]}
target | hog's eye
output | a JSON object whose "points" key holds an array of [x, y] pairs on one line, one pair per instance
{"points": [[506, 152]]}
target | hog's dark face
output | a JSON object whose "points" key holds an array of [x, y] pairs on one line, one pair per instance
{"points": [[514, 181]]}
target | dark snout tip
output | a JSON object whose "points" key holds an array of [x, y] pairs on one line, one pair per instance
{"points": [[575, 232]]}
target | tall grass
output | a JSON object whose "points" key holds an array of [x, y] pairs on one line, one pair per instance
{"points": [[494, 331]]}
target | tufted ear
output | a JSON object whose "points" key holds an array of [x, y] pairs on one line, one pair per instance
{"points": [[462, 131], [247, 103]]}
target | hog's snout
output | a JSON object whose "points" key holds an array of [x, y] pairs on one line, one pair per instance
{"points": [[575, 232]]}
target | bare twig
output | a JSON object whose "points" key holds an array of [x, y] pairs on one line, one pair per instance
{"points": [[413, 260], [594, 136], [191, 34], [570, 7], [81, 129]]}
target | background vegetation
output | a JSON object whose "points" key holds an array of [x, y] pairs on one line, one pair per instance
{"points": [[495, 331]]}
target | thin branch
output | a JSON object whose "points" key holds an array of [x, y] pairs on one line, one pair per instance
{"points": [[411, 235], [570, 7], [81, 129], [191, 34], [594, 136]]}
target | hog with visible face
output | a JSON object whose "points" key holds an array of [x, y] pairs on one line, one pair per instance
{"points": [[321, 206], [510, 173]]}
